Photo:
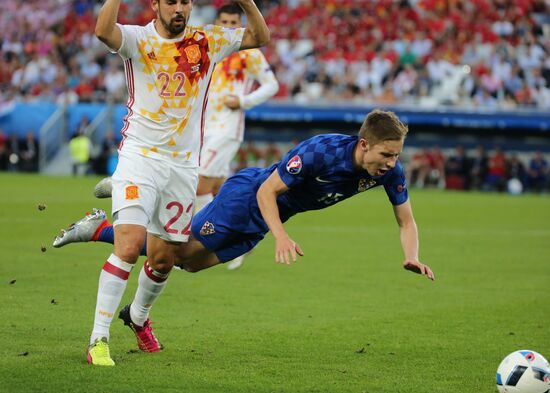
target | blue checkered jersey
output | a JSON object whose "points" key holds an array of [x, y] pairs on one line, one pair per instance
{"points": [[319, 172]]}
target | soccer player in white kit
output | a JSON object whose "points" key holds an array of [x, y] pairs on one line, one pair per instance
{"points": [[168, 68], [232, 92]]}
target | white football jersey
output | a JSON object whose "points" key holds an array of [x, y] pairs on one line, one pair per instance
{"points": [[238, 74], [168, 82]]}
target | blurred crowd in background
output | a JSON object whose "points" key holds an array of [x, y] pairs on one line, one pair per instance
{"points": [[483, 53], [477, 169], [426, 53], [454, 169]]}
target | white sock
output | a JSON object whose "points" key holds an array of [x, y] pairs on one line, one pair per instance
{"points": [[150, 286], [202, 201], [112, 283]]}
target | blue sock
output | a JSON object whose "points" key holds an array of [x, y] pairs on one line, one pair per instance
{"points": [[107, 235]]}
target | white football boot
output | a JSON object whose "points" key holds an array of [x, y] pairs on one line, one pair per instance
{"points": [[82, 230]]}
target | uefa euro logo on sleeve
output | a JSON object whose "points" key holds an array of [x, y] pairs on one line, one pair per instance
{"points": [[294, 165]]}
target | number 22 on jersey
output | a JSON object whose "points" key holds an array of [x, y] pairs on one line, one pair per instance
{"points": [[177, 78]]}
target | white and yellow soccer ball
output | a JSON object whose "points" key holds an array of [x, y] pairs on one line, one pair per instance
{"points": [[523, 371]]}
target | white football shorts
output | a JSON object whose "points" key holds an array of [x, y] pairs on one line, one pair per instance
{"points": [[216, 156], [166, 193]]}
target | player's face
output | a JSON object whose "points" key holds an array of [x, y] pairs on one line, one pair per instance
{"points": [[229, 20], [380, 158], [172, 16]]}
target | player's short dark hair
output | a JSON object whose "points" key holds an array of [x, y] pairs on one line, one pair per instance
{"points": [[231, 9], [380, 126]]}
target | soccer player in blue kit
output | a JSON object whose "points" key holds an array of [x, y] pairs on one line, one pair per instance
{"points": [[315, 174]]}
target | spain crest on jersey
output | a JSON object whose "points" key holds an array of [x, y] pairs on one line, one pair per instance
{"points": [[207, 229], [294, 165], [132, 192], [193, 53]]}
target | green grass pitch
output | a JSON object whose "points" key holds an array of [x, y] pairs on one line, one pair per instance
{"points": [[345, 318]]}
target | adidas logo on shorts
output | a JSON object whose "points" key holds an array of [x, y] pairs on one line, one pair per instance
{"points": [[207, 229]]}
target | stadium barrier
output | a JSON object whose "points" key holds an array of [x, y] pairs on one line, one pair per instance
{"points": [[24, 117], [54, 126]]}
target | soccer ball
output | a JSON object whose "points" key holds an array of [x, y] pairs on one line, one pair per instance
{"points": [[523, 372], [514, 186]]}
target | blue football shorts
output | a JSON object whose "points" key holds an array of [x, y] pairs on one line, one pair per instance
{"points": [[230, 225]]}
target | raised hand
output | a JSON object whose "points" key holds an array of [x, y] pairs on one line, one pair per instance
{"points": [[232, 101]]}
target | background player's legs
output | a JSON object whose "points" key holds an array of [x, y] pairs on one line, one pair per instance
{"points": [[218, 184], [207, 189], [218, 153]]}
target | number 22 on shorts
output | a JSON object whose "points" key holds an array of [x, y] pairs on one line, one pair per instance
{"points": [[179, 211]]}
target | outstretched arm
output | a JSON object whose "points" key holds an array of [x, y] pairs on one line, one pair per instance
{"points": [[409, 240], [106, 29], [268, 88], [261, 72], [256, 33], [285, 248]]}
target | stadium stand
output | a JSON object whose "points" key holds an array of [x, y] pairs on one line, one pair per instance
{"points": [[427, 54]]}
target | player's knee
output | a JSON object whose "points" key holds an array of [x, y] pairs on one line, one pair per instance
{"points": [[161, 265], [128, 252]]}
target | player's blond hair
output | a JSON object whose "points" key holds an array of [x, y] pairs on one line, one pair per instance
{"points": [[380, 126]]}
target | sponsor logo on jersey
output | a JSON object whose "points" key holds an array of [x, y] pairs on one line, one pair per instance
{"points": [[365, 184], [132, 193], [294, 165], [152, 56], [193, 53], [207, 229], [330, 198], [318, 178]]}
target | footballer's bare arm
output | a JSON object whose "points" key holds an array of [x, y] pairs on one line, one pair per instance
{"points": [[286, 249], [106, 28], [256, 33], [408, 234]]}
